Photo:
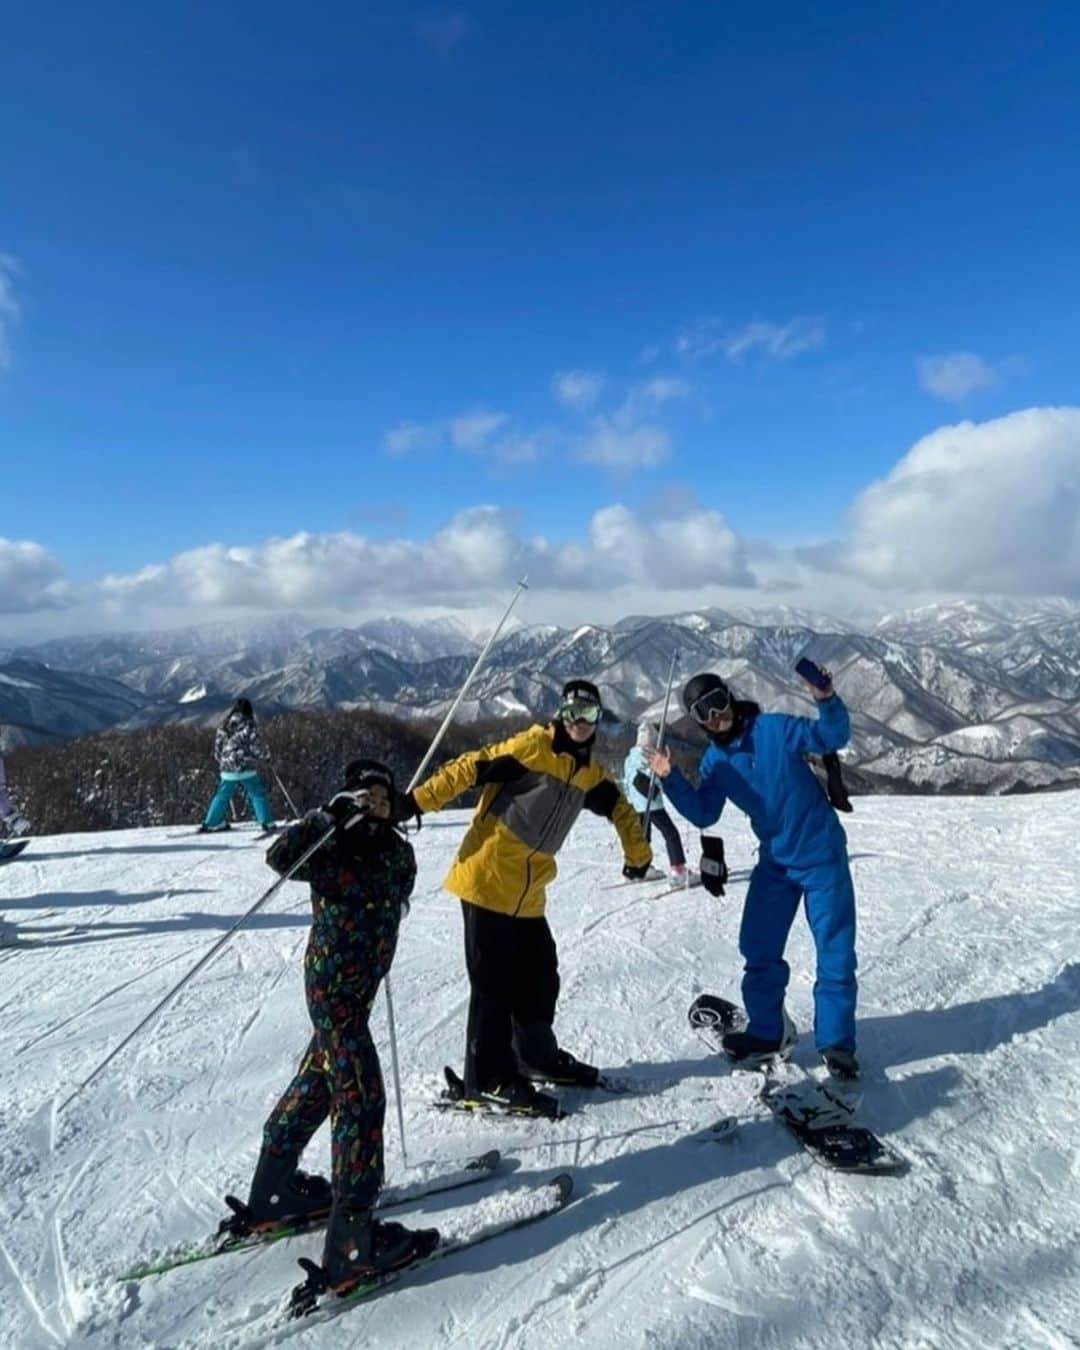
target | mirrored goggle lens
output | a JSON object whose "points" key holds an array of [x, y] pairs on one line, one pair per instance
{"points": [[715, 701], [577, 711]]}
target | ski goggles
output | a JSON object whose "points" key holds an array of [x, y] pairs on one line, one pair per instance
{"points": [[581, 710], [715, 701]]}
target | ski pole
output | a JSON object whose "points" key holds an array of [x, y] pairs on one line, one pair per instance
{"points": [[660, 741], [521, 586], [202, 962], [284, 793]]}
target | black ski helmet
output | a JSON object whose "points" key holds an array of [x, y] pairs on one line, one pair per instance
{"points": [[584, 690], [363, 773], [699, 685]]}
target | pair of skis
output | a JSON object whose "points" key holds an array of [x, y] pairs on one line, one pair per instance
{"points": [[817, 1114], [235, 1234], [313, 1296]]}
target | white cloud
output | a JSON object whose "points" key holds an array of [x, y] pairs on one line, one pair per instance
{"points": [[472, 431], [577, 389], [953, 376], [408, 437], [777, 342], [9, 307], [30, 578], [693, 549], [768, 341], [613, 443], [650, 396], [990, 507], [478, 553]]}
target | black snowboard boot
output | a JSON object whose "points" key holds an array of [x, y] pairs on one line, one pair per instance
{"points": [[840, 1063], [752, 1052], [359, 1246], [280, 1191]]}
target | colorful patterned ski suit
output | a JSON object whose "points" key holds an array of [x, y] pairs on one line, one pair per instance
{"points": [[359, 890]]}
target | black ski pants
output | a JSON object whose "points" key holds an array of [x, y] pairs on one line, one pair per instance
{"points": [[667, 827], [514, 977]]}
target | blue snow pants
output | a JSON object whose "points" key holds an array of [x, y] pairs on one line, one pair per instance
{"points": [[256, 792], [771, 903]]}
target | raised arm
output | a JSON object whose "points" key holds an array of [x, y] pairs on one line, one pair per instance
{"points": [[500, 763], [831, 731]]}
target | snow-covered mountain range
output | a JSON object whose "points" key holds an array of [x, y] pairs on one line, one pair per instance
{"points": [[971, 696]]}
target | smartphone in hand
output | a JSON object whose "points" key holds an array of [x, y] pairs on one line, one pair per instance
{"points": [[812, 673]]}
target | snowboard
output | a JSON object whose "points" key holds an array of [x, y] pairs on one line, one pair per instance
{"points": [[819, 1117], [12, 849]]}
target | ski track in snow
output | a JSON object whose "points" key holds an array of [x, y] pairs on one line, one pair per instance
{"points": [[969, 1031]]}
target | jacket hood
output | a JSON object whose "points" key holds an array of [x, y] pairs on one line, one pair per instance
{"points": [[647, 733]]}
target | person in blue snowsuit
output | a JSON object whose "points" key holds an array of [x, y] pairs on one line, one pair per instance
{"points": [[757, 760]]}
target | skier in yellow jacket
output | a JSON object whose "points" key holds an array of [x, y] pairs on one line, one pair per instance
{"points": [[534, 786]]}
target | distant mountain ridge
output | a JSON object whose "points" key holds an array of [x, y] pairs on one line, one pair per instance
{"points": [[970, 696]]}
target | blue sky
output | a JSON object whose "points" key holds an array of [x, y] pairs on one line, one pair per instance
{"points": [[356, 270]]}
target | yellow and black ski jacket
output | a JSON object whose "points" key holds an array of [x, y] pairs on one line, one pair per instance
{"points": [[534, 786]]}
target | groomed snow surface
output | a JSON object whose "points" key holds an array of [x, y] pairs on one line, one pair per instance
{"points": [[969, 1029]]}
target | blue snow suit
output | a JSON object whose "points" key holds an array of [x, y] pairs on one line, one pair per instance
{"points": [[802, 856]]}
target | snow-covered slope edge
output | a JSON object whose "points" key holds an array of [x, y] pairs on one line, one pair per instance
{"points": [[970, 1023]]}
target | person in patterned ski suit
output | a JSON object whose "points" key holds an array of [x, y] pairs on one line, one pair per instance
{"points": [[361, 881], [238, 748]]}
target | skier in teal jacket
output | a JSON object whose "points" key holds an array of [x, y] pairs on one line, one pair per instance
{"points": [[757, 760]]}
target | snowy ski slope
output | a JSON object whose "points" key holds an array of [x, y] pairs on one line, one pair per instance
{"points": [[970, 1027]]}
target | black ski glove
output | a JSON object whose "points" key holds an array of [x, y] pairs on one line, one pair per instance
{"points": [[635, 873], [714, 873], [351, 814], [406, 808]]}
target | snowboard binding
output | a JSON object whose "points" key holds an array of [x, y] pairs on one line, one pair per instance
{"points": [[711, 1017]]}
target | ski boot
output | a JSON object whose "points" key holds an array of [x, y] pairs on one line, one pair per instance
{"points": [[281, 1195], [564, 1070], [359, 1250], [214, 829], [515, 1096], [745, 1051], [13, 825], [840, 1063]]}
